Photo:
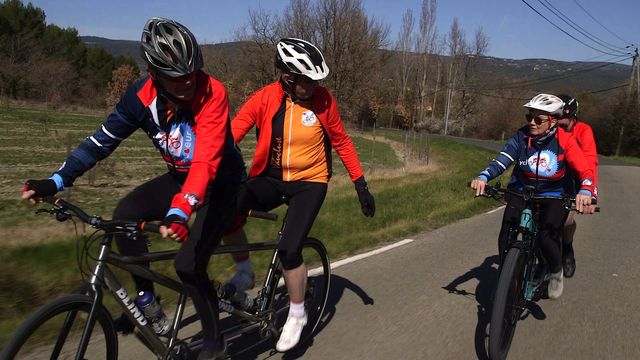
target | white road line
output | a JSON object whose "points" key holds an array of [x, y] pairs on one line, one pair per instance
{"points": [[349, 260], [494, 210]]}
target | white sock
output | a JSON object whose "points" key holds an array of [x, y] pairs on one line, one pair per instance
{"points": [[296, 309], [244, 266]]}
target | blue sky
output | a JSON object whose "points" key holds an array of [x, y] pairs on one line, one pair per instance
{"points": [[515, 31]]}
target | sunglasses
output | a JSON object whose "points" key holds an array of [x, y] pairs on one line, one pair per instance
{"points": [[537, 119]]}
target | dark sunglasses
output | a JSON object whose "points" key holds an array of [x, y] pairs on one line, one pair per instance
{"points": [[536, 119]]}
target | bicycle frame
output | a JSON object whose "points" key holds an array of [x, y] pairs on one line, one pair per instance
{"points": [[102, 275]]}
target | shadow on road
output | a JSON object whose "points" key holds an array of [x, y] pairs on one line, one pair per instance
{"points": [[487, 276], [252, 346]]}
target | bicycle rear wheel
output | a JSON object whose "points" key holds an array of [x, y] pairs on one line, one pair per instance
{"points": [[54, 332], [318, 281], [508, 304]]}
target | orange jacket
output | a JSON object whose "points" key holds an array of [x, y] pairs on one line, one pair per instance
{"points": [[260, 109]]}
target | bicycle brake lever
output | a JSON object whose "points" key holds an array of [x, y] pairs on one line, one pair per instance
{"points": [[62, 216]]}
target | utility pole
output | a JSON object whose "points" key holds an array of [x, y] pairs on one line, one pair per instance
{"points": [[634, 89]]}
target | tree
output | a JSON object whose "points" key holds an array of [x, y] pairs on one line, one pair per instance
{"points": [[121, 78]]}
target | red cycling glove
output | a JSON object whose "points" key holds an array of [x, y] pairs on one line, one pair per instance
{"points": [[178, 225]]}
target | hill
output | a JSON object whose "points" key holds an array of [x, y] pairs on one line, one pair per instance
{"points": [[493, 73]]}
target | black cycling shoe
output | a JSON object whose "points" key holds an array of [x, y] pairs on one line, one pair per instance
{"points": [[123, 325], [569, 265]]}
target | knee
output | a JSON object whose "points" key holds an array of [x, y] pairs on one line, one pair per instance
{"points": [[290, 260]]}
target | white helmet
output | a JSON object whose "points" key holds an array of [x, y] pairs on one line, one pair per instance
{"points": [[550, 104], [301, 57]]}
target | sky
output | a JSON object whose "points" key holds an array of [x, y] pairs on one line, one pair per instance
{"points": [[515, 31]]}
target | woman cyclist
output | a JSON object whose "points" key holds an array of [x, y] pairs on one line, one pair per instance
{"points": [[542, 153], [298, 124], [184, 112], [583, 135]]}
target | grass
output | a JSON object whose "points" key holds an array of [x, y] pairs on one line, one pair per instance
{"points": [[407, 202], [628, 159]]}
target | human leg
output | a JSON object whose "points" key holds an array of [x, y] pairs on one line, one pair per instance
{"points": [[304, 205], [191, 262], [149, 201], [552, 218], [568, 257]]}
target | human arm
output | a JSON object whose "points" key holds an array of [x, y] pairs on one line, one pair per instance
{"points": [[576, 160], [212, 125], [246, 117]]}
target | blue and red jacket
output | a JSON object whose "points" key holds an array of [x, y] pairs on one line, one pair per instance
{"points": [[194, 139], [542, 162]]}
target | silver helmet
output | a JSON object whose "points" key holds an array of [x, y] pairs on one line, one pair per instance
{"points": [[170, 47]]}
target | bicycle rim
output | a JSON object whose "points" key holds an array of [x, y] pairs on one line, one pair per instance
{"points": [[508, 304], [316, 295], [54, 332]]}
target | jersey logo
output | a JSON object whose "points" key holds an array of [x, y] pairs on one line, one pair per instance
{"points": [[179, 141], [546, 163], [309, 118]]}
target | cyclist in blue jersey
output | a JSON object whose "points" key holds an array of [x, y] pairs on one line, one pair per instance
{"points": [[185, 113], [541, 153]]}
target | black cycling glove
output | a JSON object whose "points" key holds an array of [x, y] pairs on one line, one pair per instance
{"points": [[42, 188], [367, 204]]}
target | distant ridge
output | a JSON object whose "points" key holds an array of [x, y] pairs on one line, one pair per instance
{"points": [[492, 72]]}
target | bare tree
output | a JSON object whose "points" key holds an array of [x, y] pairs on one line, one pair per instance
{"points": [[456, 43], [121, 78], [426, 45], [469, 63]]}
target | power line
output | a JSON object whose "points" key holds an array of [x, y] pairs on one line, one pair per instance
{"points": [[579, 28], [596, 20], [561, 29]]}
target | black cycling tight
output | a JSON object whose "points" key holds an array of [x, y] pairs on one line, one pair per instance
{"points": [[552, 216]]}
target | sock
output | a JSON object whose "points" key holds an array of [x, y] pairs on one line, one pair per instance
{"points": [[296, 309], [244, 266]]}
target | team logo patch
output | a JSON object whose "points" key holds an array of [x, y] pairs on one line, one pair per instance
{"points": [[309, 118], [546, 164]]}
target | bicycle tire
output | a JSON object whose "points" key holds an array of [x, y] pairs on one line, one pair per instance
{"points": [[508, 304], [36, 338], [317, 293]]}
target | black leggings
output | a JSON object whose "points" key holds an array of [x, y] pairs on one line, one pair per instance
{"points": [[305, 199], [151, 201], [551, 219]]}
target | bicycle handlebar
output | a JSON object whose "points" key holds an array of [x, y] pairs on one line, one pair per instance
{"points": [[496, 192]]}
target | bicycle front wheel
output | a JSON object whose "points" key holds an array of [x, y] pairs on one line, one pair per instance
{"points": [[318, 281], [54, 332], [508, 304]]}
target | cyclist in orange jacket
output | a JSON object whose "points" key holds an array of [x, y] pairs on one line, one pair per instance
{"points": [[583, 135], [298, 123]]}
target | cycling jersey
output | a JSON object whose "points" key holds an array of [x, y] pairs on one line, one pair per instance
{"points": [[173, 130], [541, 162], [293, 135]]}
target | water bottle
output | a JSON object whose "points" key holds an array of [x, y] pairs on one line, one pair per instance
{"points": [[153, 311], [238, 298]]}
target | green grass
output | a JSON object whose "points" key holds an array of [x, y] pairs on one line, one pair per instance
{"points": [[406, 203], [628, 159]]}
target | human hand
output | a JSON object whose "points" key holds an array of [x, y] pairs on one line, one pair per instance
{"points": [[583, 204], [478, 184], [367, 203], [35, 190], [175, 227]]}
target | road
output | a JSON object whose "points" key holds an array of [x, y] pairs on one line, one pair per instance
{"points": [[394, 305]]}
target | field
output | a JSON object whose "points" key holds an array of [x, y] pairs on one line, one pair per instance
{"points": [[418, 183]]}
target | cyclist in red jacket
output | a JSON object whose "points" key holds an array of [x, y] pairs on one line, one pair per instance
{"points": [[583, 135], [298, 123], [185, 113]]}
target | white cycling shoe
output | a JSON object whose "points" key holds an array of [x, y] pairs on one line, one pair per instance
{"points": [[555, 285], [290, 335]]}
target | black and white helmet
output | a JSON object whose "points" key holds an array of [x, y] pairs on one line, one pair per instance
{"points": [[570, 109], [170, 47], [301, 57], [549, 104]]}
